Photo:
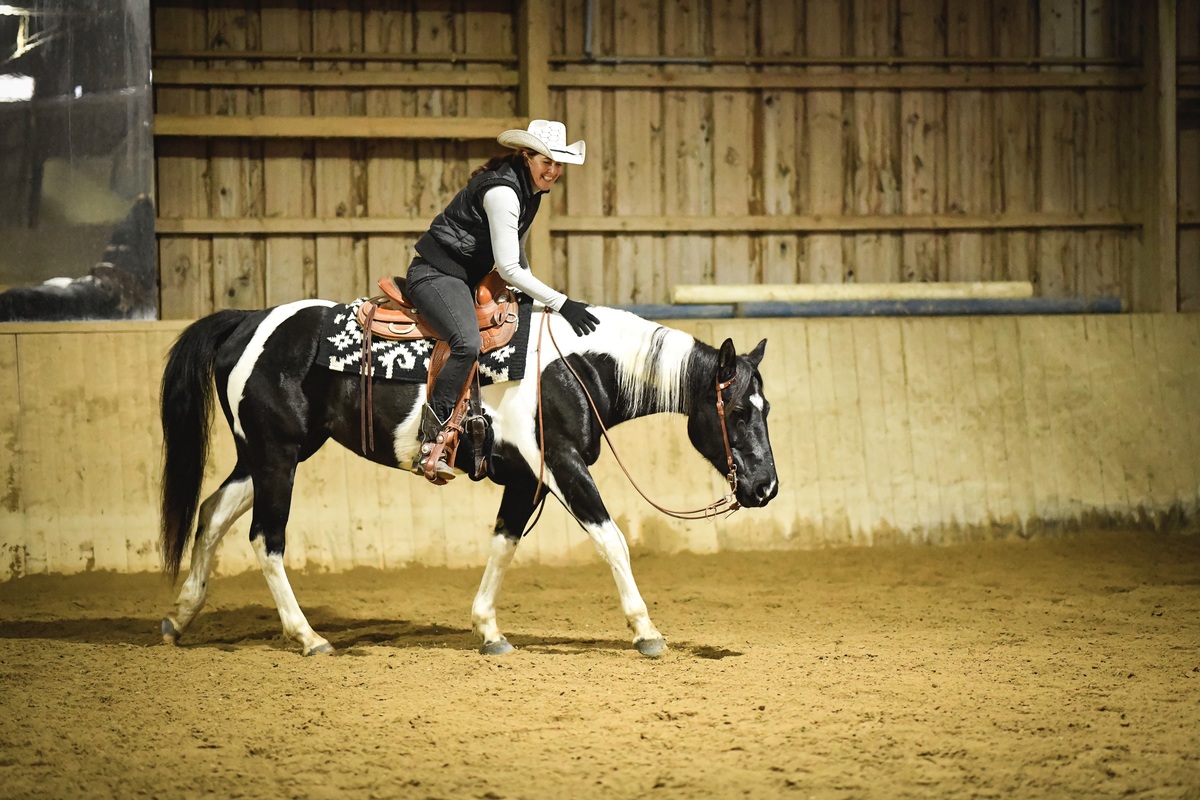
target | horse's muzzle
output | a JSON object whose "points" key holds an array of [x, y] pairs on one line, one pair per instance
{"points": [[757, 493]]}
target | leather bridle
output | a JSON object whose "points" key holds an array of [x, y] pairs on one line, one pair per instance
{"points": [[730, 476], [725, 505]]}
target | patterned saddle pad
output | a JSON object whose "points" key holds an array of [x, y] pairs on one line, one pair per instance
{"points": [[340, 349]]}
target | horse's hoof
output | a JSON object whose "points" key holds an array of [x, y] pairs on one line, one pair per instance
{"points": [[651, 648], [170, 634], [323, 649], [497, 648]]}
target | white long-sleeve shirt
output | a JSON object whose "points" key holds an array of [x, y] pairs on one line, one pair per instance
{"points": [[503, 212]]}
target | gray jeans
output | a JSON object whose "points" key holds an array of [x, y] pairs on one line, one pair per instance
{"points": [[448, 305]]}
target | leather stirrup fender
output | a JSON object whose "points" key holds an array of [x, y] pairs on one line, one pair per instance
{"points": [[392, 316], [444, 447]]}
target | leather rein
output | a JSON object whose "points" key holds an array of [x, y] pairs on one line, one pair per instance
{"points": [[725, 505]]}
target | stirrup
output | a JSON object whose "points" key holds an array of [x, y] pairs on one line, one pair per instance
{"points": [[436, 437]]}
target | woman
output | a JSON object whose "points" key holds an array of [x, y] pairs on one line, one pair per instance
{"points": [[485, 225]]}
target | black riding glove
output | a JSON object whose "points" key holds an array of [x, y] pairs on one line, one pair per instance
{"points": [[582, 320]]}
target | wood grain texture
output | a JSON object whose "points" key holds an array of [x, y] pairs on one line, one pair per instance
{"points": [[184, 265], [729, 143], [799, 293]]}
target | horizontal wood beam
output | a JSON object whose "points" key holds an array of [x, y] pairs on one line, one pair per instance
{"points": [[847, 224], [900, 307], [302, 56], [1189, 218], [289, 226], [825, 292], [657, 79], [89, 328], [846, 81], [334, 78], [335, 127], [933, 307], [851, 61], [343, 226]]}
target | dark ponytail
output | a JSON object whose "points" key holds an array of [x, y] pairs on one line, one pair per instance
{"points": [[496, 161]]}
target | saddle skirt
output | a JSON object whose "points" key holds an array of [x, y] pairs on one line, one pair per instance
{"points": [[393, 316]]}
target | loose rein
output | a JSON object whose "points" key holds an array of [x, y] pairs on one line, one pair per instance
{"points": [[725, 505]]}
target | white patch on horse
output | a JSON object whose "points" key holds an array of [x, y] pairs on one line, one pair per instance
{"points": [[217, 514], [483, 610], [770, 487], [245, 364], [611, 545], [756, 400], [404, 436], [295, 624], [652, 359], [652, 363], [647, 371]]}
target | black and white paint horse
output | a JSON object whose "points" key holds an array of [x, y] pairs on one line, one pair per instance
{"points": [[282, 407]]}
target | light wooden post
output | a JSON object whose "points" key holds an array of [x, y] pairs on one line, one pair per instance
{"points": [[533, 101], [1156, 284]]}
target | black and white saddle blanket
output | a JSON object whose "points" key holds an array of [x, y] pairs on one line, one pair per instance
{"points": [[340, 349]]}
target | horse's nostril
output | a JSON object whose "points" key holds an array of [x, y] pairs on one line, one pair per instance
{"points": [[765, 491]]}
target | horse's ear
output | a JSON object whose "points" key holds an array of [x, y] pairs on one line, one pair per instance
{"points": [[726, 361], [756, 355]]}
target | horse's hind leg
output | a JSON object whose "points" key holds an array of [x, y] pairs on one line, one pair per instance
{"points": [[272, 499], [217, 513], [295, 624]]}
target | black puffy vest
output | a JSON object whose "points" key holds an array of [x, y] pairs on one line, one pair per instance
{"points": [[458, 241]]}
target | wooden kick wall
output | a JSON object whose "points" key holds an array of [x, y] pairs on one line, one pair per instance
{"points": [[885, 431], [303, 145]]}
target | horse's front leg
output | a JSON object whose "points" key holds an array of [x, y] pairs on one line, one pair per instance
{"points": [[516, 507], [573, 484]]}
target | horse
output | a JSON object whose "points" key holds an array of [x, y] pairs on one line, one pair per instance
{"points": [[282, 405]]}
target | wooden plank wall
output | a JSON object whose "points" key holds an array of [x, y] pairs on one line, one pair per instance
{"points": [[885, 431], [331, 180], [1189, 155], [728, 142]]}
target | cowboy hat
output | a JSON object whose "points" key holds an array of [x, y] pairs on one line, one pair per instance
{"points": [[546, 137]]}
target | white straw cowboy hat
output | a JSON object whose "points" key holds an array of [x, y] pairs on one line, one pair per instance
{"points": [[546, 137]]}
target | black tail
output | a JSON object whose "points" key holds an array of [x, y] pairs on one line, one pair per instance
{"points": [[187, 400]]}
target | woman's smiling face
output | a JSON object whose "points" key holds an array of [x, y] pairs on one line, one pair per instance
{"points": [[544, 171]]}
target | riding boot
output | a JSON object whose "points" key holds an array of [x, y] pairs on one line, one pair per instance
{"points": [[435, 435]]}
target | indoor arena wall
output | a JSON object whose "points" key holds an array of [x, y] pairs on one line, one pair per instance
{"points": [[885, 431]]}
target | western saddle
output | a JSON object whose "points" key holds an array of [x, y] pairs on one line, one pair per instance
{"points": [[393, 316]]}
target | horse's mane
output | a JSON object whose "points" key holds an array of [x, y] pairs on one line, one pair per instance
{"points": [[653, 362]]}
